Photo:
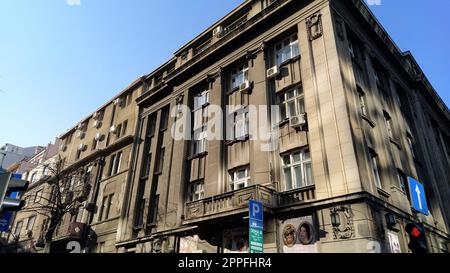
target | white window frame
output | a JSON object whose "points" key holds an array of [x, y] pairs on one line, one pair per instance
{"points": [[196, 191], [201, 99], [375, 169], [293, 165], [298, 100], [287, 49], [199, 141], [236, 182], [239, 75], [30, 223], [241, 124], [388, 122]]}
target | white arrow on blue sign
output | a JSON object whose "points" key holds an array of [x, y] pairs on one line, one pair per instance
{"points": [[418, 197]]}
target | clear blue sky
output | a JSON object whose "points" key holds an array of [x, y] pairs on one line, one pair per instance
{"points": [[58, 62]]}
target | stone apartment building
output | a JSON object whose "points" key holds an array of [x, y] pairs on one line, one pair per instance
{"points": [[94, 156], [357, 118]]}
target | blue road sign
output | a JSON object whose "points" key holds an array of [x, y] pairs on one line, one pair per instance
{"points": [[256, 210], [256, 226], [418, 197]]}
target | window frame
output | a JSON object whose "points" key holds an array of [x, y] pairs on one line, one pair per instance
{"points": [[196, 193], [285, 101], [235, 181], [286, 48], [240, 70], [294, 165]]}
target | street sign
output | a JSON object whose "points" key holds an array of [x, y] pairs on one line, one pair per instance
{"points": [[256, 226], [256, 210], [418, 197]]}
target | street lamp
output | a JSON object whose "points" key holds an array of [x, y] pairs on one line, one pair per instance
{"points": [[335, 219]]}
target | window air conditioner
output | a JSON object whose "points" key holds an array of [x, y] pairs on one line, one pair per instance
{"points": [[96, 124], [245, 87], [273, 72], [98, 137], [113, 129], [217, 31], [298, 121]]}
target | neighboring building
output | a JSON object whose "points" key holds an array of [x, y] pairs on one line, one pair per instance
{"points": [[372, 120], [358, 117], [26, 226], [10, 154]]}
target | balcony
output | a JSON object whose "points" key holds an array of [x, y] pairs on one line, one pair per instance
{"points": [[297, 196], [74, 230], [230, 203], [236, 202]]}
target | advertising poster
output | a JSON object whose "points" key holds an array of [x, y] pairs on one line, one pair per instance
{"points": [[394, 242], [298, 235], [236, 240]]}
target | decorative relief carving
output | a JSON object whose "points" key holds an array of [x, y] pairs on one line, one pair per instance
{"points": [[314, 24], [345, 229]]}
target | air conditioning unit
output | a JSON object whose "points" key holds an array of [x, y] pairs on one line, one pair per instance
{"points": [[218, 31], [63, 147], [79, 134], [97, 124], [98, 137], [298, 121], [118, 101], [97, 115], [273, 72], [113, 129], [245, 87], [81, 147], [81, 126]]}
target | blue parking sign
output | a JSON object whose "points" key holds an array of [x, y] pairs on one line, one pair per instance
{"points": [[418, 197], [256, 210]]}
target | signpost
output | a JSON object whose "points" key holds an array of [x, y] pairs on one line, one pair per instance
{"points": [[256, 225], [418, 197]]}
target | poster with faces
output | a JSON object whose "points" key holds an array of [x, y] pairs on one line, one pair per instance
{"points": [[298, 235]]}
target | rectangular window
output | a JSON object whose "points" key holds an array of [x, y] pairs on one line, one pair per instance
{"points": [[31, 221], [403, 182], [388, 121], [239, 179], [38, 196], [292, 103], [201, 99], [240, 125], [199, 141], [115, 163], [239, 75], [154, 210], [94, 144], [375, 170], [109, 204], [78, 155], [140, 213], [160, 162], [164, 119], [124, 127], [103, 208], [297, 170], [411, 145], [119, 131], [196, 191], [287, 49], [18, 229], [362, 101]]}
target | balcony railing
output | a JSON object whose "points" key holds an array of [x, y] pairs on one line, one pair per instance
{"points": [[297, 196], [230, 203], [236, 202]]}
